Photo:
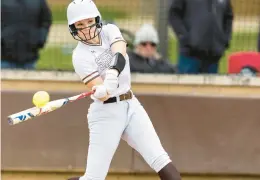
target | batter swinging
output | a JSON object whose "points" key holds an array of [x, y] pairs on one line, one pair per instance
{"points": [[101, 61]]}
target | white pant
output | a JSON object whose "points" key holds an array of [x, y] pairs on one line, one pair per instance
{"points": [[108, 123]]}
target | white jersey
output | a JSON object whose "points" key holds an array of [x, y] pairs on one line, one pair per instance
{"points": [[91, 61]]}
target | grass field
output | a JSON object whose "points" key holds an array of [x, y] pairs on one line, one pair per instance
{"points": [[54, 57], [59, 13], [108, 14], [241, 7]]}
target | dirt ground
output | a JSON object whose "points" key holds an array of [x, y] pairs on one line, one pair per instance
{"points": [[64, 176]]}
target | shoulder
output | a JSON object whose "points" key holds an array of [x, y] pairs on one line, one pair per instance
{"points": [[110, 27], [80, 49], [80, 52]]}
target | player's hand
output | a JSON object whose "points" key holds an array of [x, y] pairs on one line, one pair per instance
{"points": [[100, 91], [111, 80]]}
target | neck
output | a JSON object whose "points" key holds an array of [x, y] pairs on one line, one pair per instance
{"points": [[95, 40]]}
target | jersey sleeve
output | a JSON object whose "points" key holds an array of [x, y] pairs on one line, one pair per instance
{"points": [[85, 68], [114, 34]]}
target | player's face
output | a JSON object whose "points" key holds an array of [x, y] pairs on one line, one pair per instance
{"points": [[86, 28], [147, 49]]}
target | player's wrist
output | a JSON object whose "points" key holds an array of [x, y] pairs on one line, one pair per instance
{"points": [[112, 72], [111, 81], [106, 95]]}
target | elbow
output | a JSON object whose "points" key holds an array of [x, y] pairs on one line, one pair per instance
{"points": [[119, 47]]}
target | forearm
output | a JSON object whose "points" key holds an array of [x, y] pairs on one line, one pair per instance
{"points": [[228, 31], [176, 14], [118, 62], [228, 21], [46, 15], [228, 27], [43, 36], [45, 21], [178, 26]]}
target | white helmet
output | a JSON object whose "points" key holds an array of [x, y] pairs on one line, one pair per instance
{"points": [[81, 9], [147, 33]]}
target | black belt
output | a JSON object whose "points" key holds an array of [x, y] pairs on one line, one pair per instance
{"points": [[122, 97]]}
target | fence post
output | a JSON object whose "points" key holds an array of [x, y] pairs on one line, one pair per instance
{"points": [[162, 26]]}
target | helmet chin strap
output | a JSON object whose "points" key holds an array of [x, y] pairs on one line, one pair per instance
{"points": [[96, 35], [95, 40]]}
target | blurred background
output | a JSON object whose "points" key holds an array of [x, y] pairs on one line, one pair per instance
{"points": [[130, 15], [208, 124]]}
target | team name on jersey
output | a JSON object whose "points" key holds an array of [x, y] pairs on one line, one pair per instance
{"points": [[103, 60]]}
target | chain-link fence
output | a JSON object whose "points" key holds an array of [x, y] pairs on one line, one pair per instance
{"points": [[130, 15]]}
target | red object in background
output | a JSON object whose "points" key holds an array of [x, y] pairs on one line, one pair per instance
{"points": [[239, 60]]}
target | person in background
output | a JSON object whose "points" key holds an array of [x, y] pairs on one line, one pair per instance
{"points": [[145, 57], [203, 29], [25, 27]]}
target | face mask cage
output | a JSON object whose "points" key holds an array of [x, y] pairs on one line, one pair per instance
{"points": [[75, 32]]}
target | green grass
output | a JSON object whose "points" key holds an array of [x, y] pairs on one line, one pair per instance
{"points": [[54, 58], [60, 16], [239, 42]]}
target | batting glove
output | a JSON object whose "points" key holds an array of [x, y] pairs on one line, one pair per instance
{"points": [[111, 81], [100, 91]]}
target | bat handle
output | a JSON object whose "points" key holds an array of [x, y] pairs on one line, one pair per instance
{"points": [[10, 121], [88, 93]]}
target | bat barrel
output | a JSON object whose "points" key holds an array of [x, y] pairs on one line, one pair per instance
{"points": [[49, 107]]}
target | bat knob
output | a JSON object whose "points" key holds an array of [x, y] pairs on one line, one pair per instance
{"points": [[10, 121]]}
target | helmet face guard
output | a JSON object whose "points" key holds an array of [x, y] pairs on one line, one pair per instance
{"points": [[75, 32]]}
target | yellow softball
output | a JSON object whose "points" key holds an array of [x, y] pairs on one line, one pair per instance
{"points": [[41, 98]]}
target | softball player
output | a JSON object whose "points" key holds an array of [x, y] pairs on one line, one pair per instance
{"points": [[101, 62]]}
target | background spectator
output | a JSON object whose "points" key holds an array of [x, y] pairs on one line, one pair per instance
{"points": [[25, 27], [145, 57], [204, 31]]}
